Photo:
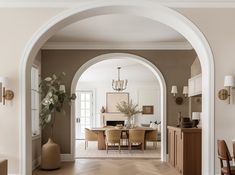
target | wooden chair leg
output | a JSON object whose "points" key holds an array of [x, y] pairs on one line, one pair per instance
{"points": [[107, 148], [119, 147], [85, 144]]}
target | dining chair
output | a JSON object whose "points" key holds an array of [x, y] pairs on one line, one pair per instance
{"points": [[90, 136], [136, 136], [151, 136], [224, 155], [113, 136]]}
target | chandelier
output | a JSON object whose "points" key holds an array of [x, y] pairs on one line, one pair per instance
{"points": [[119, 85]]}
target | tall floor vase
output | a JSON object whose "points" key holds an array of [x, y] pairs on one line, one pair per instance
{"points": [[50, 155]]}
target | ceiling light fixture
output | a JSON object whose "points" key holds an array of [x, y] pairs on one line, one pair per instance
{"points": [[119, 85]]}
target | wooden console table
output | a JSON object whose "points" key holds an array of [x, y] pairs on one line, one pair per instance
{"points": [[3, 167], [184, 149]]}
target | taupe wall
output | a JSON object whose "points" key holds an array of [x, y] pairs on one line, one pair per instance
{"points": [[174, 65]]}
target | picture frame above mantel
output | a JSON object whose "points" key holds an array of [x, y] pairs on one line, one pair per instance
{"points": [[113, 98]]}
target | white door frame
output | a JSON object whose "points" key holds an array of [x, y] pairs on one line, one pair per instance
{"points": [[147, 9], [74, 118]]}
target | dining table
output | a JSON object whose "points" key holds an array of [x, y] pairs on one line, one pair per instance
{"points": [[101, 134]]}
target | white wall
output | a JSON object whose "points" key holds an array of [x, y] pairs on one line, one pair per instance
{"points": [[142, 93]]}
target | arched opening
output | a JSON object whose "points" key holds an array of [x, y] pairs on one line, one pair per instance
{"points": [[146, 9], [145, 63]]}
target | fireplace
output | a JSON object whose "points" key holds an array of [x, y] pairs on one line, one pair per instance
{"points": [[114, 122]]}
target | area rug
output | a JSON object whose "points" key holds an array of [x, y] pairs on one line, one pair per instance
{"points": [[92, 151]]}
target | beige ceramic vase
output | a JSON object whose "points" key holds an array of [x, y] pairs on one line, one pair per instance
{"points": [[50, 155]]}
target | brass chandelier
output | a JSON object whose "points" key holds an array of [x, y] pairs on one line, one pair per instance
{"points": [[119, 85]]}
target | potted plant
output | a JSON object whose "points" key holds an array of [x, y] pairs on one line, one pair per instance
{"points": [[130, 110], [53, 97]]}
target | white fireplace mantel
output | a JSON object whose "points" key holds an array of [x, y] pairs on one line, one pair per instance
{"points": [[111, 117]]}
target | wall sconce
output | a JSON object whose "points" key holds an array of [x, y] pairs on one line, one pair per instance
{"points": [[174, 91], [229, 83], [5, 94]]}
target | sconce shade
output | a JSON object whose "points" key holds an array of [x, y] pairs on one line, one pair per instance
{"points": [[174, 89], [4, 81], [185, 90], [229, 81], [196, 115], [62, 88]]}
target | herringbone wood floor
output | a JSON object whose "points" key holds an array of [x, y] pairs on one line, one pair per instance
{"points": [[112, 167]]}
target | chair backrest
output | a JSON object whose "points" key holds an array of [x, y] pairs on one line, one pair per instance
{"points": [[90, 135], [223, 152], [136, 135], [113, 135], [151, 135]]}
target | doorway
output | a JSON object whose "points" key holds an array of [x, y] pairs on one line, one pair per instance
{"points": [[158, 13], [84, 112]]}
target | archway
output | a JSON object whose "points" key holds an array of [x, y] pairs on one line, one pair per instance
{"points": [[145, 63], [145, 9]]}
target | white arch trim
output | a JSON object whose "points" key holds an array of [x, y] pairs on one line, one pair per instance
{"points": [[140, 60], [148, 9]]}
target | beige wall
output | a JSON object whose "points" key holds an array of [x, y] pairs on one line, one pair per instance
{"points": [[174, 65], [18, 26]]}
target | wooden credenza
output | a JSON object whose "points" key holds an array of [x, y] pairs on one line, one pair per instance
{"points": [[184, 149]]}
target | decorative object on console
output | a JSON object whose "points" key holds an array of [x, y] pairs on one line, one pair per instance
{"points": [[186, 123], [196, 118], [102, 110], [179, 118], [5, 94], [130, 110], [147, 110], [229, 83], [53, 98], [179, 100], [119, 85]]}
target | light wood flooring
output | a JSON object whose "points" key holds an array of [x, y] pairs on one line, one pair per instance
{"points": [[112, 167]]}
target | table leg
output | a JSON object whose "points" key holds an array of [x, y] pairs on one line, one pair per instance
{"points": [[101, 141]]}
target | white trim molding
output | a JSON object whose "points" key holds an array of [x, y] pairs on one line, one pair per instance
{"points": [[148, 9], [66, 157], [75, 3], [36, 163], [117, 46]]}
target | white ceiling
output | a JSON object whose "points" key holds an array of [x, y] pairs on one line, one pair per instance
{"points": [[117, 28], [105, 71]]}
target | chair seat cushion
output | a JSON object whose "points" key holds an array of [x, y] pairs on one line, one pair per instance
{"points": [[226, 171]]}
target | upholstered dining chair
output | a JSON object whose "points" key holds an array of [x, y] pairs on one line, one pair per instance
{"points": [[136, 136], [151, 136], [113, 136], [90, 136], [224, 155]]}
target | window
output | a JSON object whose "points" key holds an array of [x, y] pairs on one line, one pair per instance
{"points": [[35, 101]]}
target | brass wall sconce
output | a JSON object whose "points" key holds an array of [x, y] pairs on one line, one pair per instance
{"points": [[5, 94], [179, 100], [229, 83]]}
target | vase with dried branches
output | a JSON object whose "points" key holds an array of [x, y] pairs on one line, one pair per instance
{"points": [[130, 110]]}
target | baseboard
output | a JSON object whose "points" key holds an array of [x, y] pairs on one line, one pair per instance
{"points": [[36, 163], [66, 157]]}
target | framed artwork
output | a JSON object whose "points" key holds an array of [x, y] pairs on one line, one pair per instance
{"points": [[147, 110], [113, 98]]}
